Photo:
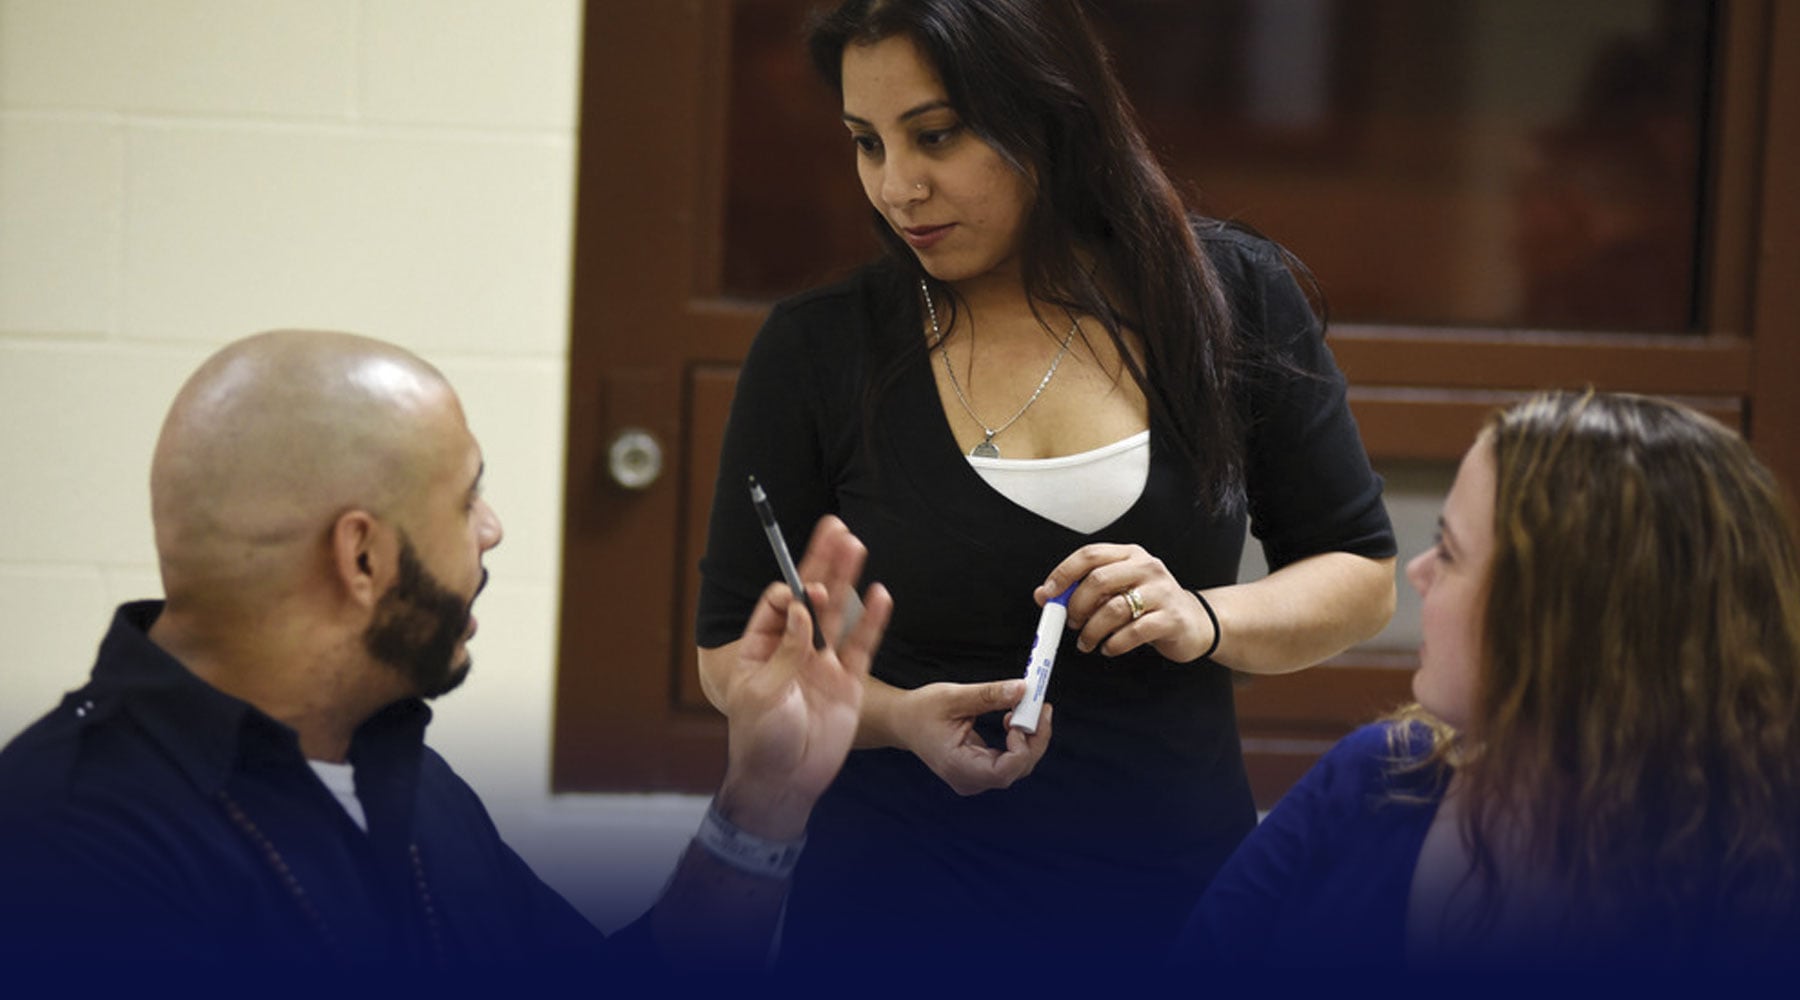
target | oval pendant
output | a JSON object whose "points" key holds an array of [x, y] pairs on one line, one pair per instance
{"points": [[985, 449]]}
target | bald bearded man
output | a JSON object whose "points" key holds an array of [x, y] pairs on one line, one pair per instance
{"points": [[244, 777]]}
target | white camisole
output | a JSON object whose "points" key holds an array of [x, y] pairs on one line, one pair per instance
{"points": [[1084, 492]]}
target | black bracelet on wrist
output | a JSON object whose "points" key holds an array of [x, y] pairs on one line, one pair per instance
{"points": [[1214, 616], [746, 851]]}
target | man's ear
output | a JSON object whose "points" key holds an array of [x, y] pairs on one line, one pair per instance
{"points": [[363, 556]]}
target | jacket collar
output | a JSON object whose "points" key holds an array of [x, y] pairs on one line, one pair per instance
{"points": [[208, 733]]}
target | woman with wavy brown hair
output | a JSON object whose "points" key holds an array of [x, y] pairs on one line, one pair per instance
{"points": [[1603, 766]]}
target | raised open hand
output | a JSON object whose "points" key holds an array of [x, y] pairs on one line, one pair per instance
{"points": [[792, 709]]}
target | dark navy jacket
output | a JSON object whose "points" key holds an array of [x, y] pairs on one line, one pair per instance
{"points": [[151, 816]]}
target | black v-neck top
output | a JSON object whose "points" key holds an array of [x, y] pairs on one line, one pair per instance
{"points": [[1142, 792]]}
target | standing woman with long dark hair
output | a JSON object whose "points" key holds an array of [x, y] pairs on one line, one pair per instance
{"points": [[1055, 376]]}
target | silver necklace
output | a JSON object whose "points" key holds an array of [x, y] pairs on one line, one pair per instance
{"points": [[985, 448]]}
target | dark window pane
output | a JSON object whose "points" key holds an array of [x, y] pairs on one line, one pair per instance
{"points": [[1516, 163]]}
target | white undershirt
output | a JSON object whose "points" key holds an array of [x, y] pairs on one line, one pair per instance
{"points": [[341, 780], [1084, 492]]}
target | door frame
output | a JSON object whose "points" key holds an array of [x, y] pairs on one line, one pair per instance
{"points": [[647, 252]]}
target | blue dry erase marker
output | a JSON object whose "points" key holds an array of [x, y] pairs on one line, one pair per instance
{"points": [[1043, 659], [783, 558]]}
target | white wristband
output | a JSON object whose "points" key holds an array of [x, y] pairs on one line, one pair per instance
{"points": [[746, 851]]}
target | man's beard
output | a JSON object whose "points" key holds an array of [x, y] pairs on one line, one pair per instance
{"points": [[417, 625]]}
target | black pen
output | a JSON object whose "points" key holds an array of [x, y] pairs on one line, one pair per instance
{"points": [[783, 557]]}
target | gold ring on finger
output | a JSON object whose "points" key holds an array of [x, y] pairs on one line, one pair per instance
{"points": [[1135, 601]]}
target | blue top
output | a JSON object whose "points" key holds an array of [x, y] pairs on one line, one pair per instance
{"points": [[151, 816], [1324, 878]]}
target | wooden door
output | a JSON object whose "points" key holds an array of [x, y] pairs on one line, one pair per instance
{"points": [[714, 178]]}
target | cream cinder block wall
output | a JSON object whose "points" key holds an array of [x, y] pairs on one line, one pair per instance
{"points": [[175, 174]]}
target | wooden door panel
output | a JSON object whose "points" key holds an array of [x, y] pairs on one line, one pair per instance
{"points": [[710, 390], [1668, 364], [1410, 423], [1775, 388], [682, 240]]}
